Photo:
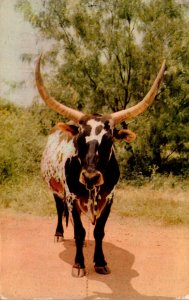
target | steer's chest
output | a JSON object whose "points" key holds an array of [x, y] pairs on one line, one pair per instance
{"points": [[93, 205]]}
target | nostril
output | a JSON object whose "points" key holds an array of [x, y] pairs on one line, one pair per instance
{"points": [[91, 179], [85, 177], [96, 177], [88, 177]]}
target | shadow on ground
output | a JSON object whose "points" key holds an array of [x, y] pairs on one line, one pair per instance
{"points": [[118, 283]]}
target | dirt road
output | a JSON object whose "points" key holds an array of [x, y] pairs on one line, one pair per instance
{"points": [[147, 261]]}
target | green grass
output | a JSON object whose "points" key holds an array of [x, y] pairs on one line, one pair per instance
{"points": [[27, 194], [162, 199]]}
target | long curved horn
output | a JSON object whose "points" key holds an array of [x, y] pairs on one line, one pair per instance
{"points": [[62, 109], [139, 108]]}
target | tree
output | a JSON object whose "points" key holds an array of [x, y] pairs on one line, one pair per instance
{"points": [[21, 142], [107, 53], [165, 30]]}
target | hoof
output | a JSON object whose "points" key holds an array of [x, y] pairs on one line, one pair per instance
{"points": [[59, 237], [102, 270], [77, 271]]}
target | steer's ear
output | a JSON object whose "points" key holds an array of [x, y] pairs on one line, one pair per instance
{"points": [[124, 134], [69, 128]]}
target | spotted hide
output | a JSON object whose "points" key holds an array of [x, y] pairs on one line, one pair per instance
{"points": [[80, 167]]}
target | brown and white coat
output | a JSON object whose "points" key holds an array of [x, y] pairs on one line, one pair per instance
{"points": [[80, 167]]}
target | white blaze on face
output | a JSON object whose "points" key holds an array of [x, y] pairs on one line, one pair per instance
{"points": [[93, 136]]}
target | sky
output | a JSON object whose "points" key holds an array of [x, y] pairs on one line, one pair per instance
{"points": [[16, 37]]}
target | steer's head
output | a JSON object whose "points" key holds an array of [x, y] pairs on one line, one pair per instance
{"points": [[94, 141], [94, 144]]}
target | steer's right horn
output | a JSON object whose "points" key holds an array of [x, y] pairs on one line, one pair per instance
{"points": [[139, 108], [60, 108]]}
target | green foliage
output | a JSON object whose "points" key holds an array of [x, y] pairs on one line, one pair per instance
{"points": [[20, 142], [44, 117], [105, 56]]}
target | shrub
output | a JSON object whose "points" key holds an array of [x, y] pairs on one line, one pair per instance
{"points": [[20, 142]]}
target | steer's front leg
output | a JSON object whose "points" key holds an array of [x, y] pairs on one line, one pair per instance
{"points": [[99, 260], [78, 269], [59, 234]]}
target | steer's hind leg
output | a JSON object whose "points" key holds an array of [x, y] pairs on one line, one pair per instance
{"points": [[59, 234], [79, 265], [99, 260]]}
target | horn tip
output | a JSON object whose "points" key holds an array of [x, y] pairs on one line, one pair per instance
{"points": [[39, 58], [164, 63]]}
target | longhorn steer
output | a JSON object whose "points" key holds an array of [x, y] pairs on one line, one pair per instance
{"points": [[80, 167]]}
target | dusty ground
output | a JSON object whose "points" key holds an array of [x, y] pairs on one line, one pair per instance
{"points": [[147, 261]]}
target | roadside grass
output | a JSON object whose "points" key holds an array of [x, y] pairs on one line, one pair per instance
{"points": [[27, 194], [162, 199]]}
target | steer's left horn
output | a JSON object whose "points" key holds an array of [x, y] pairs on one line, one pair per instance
{"points": [[62, 109], [134, 111]]}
